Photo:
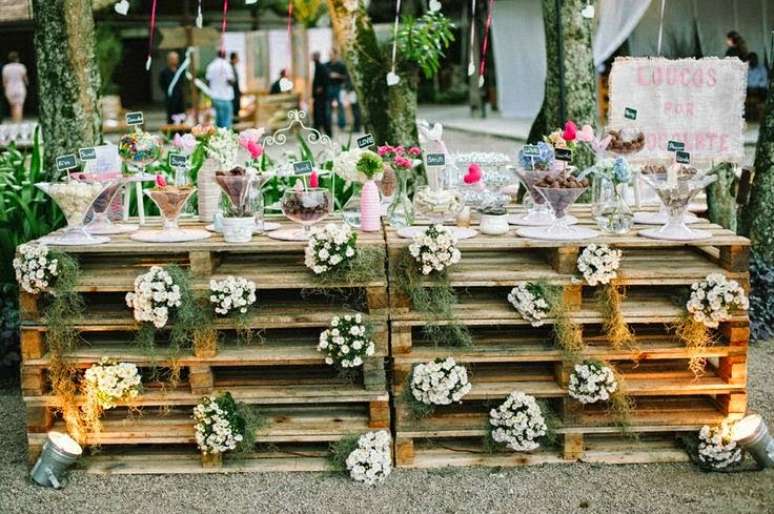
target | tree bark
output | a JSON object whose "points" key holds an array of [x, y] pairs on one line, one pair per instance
{"points": [[721, 197], [68, 76]]}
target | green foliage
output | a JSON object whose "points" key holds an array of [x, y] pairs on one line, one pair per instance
{"points": [[422, 41], [761, 304], [250, 419], [566, 332], [340, 450], [418, 409], [108, 52], [367, 265], [9, 326], [369, 164]]}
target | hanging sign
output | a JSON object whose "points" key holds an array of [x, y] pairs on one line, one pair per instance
{"points": [[675, 146], [177, 160], [697, 101], [366, 141], [66, 162], [134, 118], [435, 159], [630, 114], [682, 157], [87, 154], [530, 151], [302, 167], [563, 154]]}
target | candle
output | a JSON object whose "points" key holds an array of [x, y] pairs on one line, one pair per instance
{"points": [[314, 180]]}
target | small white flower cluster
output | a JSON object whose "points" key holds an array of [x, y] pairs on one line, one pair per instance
{"points": [[224, 146], [435, 249], [113, 382], [529, 300], [715, 298], [345, 166], [518, 422], [232, 294], [439, 382], [370, 462], [214, 433], [329, 247], [155, 293], [346, 342], [599, 264], [716, 448], [35, 268], [592, 382]]}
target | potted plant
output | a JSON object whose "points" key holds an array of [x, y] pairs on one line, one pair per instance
{"points": [[494, 220], [238, 217]]}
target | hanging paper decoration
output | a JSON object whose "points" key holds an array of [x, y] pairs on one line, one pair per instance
{"points": [[199, 16], [434, 6], [472, 38], [285, 83], [151, 34], [122, 7], [588, 11], [392, 77], [485, 44]]}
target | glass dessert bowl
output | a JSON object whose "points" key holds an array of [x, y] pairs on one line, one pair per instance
{"points": [[74, 198], [100, 223], [170, 201], [305, 207], [559, 193], [139, 149], [662, 216], [437, 206]]}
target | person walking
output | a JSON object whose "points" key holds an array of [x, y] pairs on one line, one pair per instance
{"points": [[220, 77], [337, 73], [321, 116], [234, 57], [15, 85], [171, 83], [737, 46]]}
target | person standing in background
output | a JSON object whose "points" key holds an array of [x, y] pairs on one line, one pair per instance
{"points": [[321, 116], [220, 77], [173, 96], [757, 76], [276, 86], [237, 91], [737, 47], [15, 86], [337, 72]]}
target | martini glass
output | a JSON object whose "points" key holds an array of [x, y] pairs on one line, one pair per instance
{"points": [[74, 199], [305, 207], [662, 216], [539, 214], [170, 201], [561, 229], [100, 223], [137, 150]]}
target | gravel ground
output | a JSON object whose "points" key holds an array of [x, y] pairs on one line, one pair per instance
{"points": [[654, 488]]}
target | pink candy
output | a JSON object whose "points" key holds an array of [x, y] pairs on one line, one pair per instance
{"points": [[474, 174], [570, 131], [314, 180], [161, 181]]}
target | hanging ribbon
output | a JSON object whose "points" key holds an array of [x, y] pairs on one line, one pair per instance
{"points": [[180, 70], [223, 26], [392, 76], [660, 27], [199, 16], [485, 44], [471, 55], [150, 36]]}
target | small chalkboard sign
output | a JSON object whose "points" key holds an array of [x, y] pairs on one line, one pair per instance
{"points": [[683, 157], [435, 159], [66, 162], [302, 167], [630, 113], [530, 151], [563, 154], [675, 146], [366, 141], [134, 118], [87, 154], [178, 160]]}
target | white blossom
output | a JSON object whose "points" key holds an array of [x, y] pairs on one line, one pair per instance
{"points": [[518, 422], [213, 431], [155, 294], [329, 247], [371, 461], [113, 382], [591, 382], [435, 249], [439, 382], [599, 264], [35, 269], [232, 294], [716, 448], [715, 299], [527, 298], [346, 342]]}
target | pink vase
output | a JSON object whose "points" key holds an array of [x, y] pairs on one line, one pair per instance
{"points": [[370, 207]]}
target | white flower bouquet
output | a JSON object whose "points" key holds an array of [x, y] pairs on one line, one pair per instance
{"points": [[219, 427], [591, 382], [112, 382], [35, 268], [371, 461], [529, 299], [330, 247], [435, 249], [224, 147], [715, 299], [518, 422], [439, 382], [155, 295], [345, 165], [599, 264], [232, 294], [716, 448], [346, 342]]}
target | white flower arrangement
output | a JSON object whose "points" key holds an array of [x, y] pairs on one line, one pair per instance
{"points": [[346, 342], [35, 268], [716, 448], [155, 294], [224, 146], [330, 247], [216, 419], [715, 299], [112, 382], [599, 264], [345, 166], [371, 461], [439, 382], [529, 299], [232, 294], [591, 382], [435, 249], [518, 422]]}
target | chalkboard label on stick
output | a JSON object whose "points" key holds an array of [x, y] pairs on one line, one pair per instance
{"points": [[435, 159], [177, 160], [683, 157], [675, 146], [302, 167], [630, 114], [87, 154], [530, 151], [366, 141], [134, 118], [66, 162], [563, 154]]}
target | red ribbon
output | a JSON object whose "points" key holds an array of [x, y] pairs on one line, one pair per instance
{"points": [[223, 25], [152, 29], [485, 44], [290, 33]]}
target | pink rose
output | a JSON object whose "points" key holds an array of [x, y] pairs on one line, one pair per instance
{"points": [[586, 134], [384, 150], [185, 144], [415, 151], [255, 149], [250, 135], [570, 131], [402, 162]]}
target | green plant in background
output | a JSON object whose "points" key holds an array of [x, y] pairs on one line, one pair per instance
{"points": [[340, 450], [9, 326], [422, 41], [108, 50]]}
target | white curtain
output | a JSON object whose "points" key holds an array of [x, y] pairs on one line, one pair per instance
{"points": [[519, 46], [617, 20]]}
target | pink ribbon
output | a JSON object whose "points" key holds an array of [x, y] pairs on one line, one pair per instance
{"points": [[485, 44], [223, 26], [152, 33]]}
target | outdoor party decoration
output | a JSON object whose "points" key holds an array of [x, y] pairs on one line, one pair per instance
{"points": [[138, 149], [154, 297], [439, 382], [121, 7], [530, 300], [74, 198], [232, 294], [305, 207], [716, 299], [111, 382], [435, 249], [347, 342], [36, 267], [535, 163], [238, 220], [219, 427], [370, 166], [717, 450], [170, 201], [599, 264], [151, 35], [592, 382], [609, 208], [330, 247], [392, 77], [518, 422], [370, 461], [402, 161]]}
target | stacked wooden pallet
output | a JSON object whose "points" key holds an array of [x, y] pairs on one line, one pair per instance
{"points": [[508, 354], [307, 404]]}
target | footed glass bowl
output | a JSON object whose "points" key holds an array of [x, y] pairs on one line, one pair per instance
{"points": [[74, 198], [560, 199], [170, 200], [305, 207], [675, 194], [539, 213]]}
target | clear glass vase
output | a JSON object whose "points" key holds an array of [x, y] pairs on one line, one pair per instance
{"points": [[611, 212], [400, 212]]}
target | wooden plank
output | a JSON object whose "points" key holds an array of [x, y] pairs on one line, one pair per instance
{"points": [[735, 258], [39, 419], [33, 381], [202, 263], [379, 414], [374, 378], [201, 379], [32, 345], [28, 306], [564, 259], [572, 446], [404, 452]]}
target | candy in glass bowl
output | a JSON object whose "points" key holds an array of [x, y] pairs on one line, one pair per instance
{"points": [[305, 206], [660, 217], [100, 223], [139, 149], [75, 198]]}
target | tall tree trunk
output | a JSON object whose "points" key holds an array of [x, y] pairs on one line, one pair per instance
{"points": [[757, 220], [389, 113], [577, 59], [721, 197], [68, 76]]}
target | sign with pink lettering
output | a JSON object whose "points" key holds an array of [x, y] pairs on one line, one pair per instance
{"points": [[699, 102]]}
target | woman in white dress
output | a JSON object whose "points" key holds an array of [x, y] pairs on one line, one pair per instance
{"points": [[15, 85]]}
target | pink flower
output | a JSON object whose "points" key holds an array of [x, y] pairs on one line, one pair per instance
{"points": [[570, 131], [255, 149], [399, 150], [250, 135], [185, 143], [473, 175], [402, 162], [586, 134], [161, 181], [384, 150], [314, 180], [415, 151]]}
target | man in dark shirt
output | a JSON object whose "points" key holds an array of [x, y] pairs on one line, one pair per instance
{"points": [[337, 71], [173, 97], [276, 87], [322, 119], [237, 92]]}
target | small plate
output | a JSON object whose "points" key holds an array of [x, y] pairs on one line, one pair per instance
{"points": [[660, 218], [537, 220], [288, 234], [108, 229], [676, 235], [268, 226]]}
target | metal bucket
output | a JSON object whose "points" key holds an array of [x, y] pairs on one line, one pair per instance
{"points": [[60, 451]]}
